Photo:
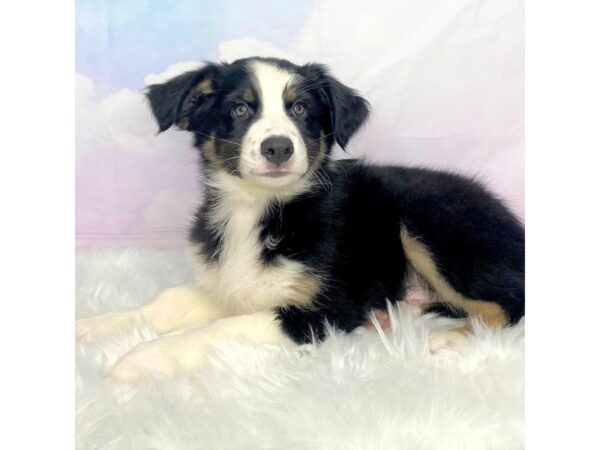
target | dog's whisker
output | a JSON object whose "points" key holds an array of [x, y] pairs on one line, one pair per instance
{"points": [[216, 138], [325, 175], [320, 138], [326, 184]]}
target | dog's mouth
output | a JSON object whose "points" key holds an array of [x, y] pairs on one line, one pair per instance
{"points": [[276, 174]]}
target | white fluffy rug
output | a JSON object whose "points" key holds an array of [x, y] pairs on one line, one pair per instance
{"points": [[367, 390]]}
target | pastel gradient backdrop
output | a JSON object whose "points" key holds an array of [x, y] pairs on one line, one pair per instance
{"points": [[444, 78]]}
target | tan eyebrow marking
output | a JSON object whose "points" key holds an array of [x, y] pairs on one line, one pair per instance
{"points": [[290, 93], [249, 95], [205, 87]]}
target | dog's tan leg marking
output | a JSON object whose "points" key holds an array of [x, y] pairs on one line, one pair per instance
{"points": [[174, 308], [422, 261]]}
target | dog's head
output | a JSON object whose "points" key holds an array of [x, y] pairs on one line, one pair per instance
{"points": [[264, 120]]}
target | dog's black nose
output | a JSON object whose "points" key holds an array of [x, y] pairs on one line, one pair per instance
{"points": [[277, 149]]}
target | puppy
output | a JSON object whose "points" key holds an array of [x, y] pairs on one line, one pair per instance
{"points": [[288, 239]]}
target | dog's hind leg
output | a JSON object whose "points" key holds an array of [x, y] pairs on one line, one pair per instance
{"points": [[174, 308], [490, 313]]}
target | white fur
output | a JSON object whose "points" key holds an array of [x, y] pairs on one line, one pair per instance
{"points": [[182, 306], [365, 390], [185, 350], [274, 120], [239, 280]]}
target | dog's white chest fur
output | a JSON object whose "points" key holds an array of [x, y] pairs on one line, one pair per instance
{"points": [[238, 277]]}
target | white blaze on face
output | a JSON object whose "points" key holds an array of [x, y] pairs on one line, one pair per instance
{"points": [[271, 82]]}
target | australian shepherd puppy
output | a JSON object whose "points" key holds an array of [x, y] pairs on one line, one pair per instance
{"points": [[288, 239]]}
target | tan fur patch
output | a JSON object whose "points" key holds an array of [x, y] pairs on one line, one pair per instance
{"points": [[464, 329], [249, 95], [290, 94], [204, 87], [183, 123], [420, 258], [209, 151], [303, 291], [314, 165]]}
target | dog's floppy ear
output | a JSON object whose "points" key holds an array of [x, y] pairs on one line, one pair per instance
{"points": [[348, 109], [170, 101]]}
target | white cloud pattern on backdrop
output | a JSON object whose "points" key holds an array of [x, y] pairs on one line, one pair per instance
{"points": [[445, 79]]}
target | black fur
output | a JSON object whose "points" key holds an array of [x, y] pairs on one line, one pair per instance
{"points": [[347, 110], [346, 229], [352, 233]]}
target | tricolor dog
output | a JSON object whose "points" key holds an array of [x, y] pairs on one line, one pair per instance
{"points": [[288, 239]]}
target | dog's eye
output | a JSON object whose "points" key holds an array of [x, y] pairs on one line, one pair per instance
{"points": [[240, 110], [298, 110]]}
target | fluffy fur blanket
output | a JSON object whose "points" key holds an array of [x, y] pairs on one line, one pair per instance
{"points": [[371, 389]]}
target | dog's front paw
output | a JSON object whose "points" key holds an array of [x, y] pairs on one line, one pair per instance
{"points": [[164, 357], [144, 361], [94, 328]]}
